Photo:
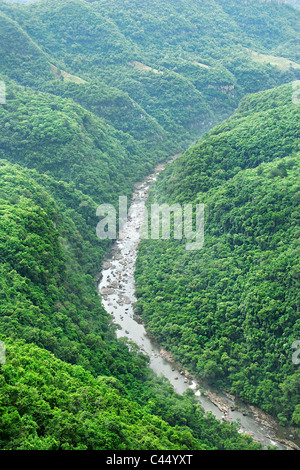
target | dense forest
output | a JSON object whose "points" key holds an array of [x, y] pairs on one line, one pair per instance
{"points": [[97, 93], [230, 310]]}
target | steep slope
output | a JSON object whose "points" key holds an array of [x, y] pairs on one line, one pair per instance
{"points": [[60, 138], [229, 310], [49, 255], [24, 62], [47, 404], [117, 108], [264, 127], [29, 64], [90, 392]]}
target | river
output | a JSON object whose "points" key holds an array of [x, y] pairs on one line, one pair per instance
{"points": [[117, 289]]}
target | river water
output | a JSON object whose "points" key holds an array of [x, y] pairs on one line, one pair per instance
{"points": [[117, 289]]}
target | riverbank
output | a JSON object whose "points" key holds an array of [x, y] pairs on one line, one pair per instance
{"points": [[260, 417], [228, 403], [117, 287]]}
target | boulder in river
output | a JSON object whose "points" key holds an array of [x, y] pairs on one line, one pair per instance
{"points": [[107, 265], [106, 291], [125, 299], [114, 284]]}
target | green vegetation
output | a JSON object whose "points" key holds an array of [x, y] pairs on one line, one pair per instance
{"points": [[47, 404], [88, 391], [229, 311], [280, 62], [62, 139], [98, 93], [264, 127], [99, 40]]}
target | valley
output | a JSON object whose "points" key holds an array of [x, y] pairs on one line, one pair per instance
{"points": [[117, 288], [98, 96]]}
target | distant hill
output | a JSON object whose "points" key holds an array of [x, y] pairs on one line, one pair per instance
{"points": [[180, 87]]}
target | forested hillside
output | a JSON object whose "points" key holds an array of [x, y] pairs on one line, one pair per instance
{"points": [[91, 392], [230, 310], [96, 94], [164, 74]]}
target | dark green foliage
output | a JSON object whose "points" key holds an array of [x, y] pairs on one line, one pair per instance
{"points": [[27, 64], [47, 300]]}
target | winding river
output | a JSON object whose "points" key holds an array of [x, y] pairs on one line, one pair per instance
{"points": [[117, 289]]}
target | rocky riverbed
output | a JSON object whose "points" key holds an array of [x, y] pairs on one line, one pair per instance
{"points": [[117, 287]]}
